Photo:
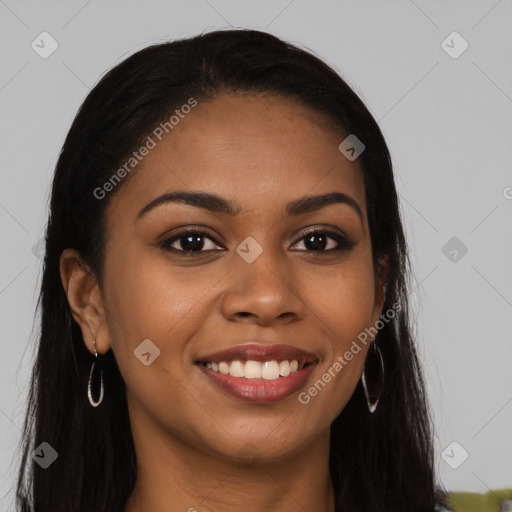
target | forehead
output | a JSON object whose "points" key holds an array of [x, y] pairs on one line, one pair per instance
{"points": [[258, 150]]}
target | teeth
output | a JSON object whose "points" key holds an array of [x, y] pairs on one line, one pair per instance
{"points": [[252, 370], [284, 368], [237, 369], [224, 368], [268, 370]]}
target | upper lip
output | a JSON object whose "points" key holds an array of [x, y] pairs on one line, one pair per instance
{"points": [[259, 352]]}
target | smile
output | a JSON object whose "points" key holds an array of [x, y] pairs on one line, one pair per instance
{"points": [[258, 373], [268, 370]]}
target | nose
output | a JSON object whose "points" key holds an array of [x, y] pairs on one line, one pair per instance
{"points": [[262, 292]]}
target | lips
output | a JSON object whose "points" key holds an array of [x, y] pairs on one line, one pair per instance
{"points": [[272, 386]]}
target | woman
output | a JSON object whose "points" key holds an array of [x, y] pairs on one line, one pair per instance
{"points": [[224, 302]]}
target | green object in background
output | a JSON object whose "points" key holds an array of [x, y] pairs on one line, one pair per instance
{"points": [[473, 502]]}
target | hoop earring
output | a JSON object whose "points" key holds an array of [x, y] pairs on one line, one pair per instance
{"points": [[373, 395], [96, 366]]}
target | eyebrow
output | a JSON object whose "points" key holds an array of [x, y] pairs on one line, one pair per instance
{"points": [[215, 203]]}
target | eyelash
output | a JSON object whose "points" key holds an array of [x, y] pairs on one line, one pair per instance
{"points": [[343, 243]]}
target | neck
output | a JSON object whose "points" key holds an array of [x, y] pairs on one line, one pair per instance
{"points": [[173, 476]]}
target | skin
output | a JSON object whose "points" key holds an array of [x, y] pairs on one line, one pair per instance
{"points": [[197, 447]]}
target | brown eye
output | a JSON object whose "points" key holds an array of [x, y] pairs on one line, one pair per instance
{"points": [[190, 241], [325, 241]]}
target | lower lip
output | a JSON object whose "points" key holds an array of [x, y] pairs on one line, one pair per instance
{"points": [[259, 390]]}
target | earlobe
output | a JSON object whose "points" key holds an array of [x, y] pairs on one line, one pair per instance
{"points": [[84, 299]]}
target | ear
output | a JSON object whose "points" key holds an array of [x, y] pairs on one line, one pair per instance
{"points": [[85, 300], [381, 279]]}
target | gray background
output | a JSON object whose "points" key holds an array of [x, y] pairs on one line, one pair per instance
{"points": [[449, 127]]}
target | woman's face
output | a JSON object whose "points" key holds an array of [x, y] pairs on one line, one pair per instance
{"points": [[255, 276]]}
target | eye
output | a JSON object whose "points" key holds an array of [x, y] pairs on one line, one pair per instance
{"points": [[325, 241], [190, 241], [196, 241]]}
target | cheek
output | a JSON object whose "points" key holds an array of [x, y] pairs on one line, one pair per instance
{"points": [[343, 304], [150, 301], [343, 300]]}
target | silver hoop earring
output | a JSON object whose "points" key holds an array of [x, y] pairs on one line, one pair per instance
{"points": [[95, 368], [373, 390]]}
